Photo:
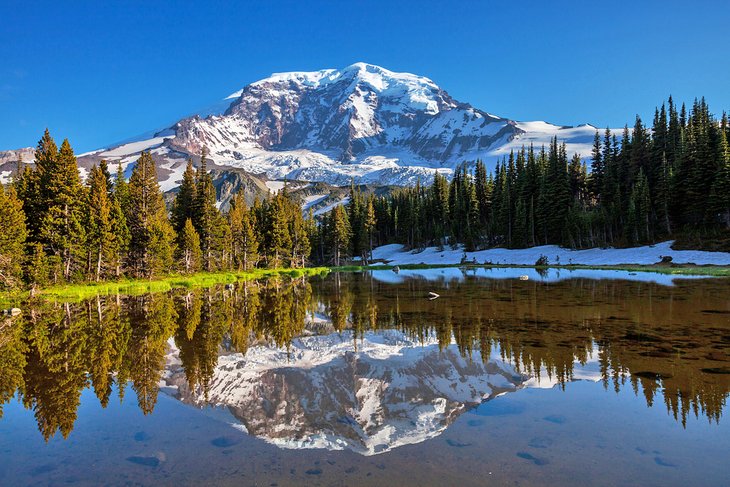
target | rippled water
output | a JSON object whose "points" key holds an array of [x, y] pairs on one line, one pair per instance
{"points": [[360, 379]]}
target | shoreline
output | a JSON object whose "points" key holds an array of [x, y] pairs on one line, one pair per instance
{"points": [[71, 292], [131, 287]]}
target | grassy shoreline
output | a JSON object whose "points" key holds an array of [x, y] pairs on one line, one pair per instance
{"points": [[208, 279], [143, 286]]}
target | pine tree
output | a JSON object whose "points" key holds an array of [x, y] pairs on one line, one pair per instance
{"points": [[598, 168], [119, 230], [184, 206], [121, 189], [339, 233], [207, 218], [300, 245], [99, 236], [151, 247], [189, 248], [12, 239], [720, 193], [54, 199], [369, 224], [244, 239], [279, 236]]}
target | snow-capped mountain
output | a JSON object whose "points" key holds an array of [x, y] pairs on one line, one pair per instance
{"points": [[363, 122]]}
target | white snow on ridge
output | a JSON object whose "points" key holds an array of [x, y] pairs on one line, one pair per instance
{"points": [[312, 200], [649, 254], [275, 186], [332, 206], [135, 147], [578, 140]]}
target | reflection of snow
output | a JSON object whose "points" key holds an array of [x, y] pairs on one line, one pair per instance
{"points": [[383, 391], [370, 396], [548, 275]]}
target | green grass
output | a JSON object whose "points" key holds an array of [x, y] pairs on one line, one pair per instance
{"points": [[142, 286]]}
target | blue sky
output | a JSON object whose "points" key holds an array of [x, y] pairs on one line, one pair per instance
{"points": [[99, 72]]}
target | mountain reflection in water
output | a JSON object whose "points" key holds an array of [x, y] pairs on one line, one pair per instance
{"points": [[349, 361]]}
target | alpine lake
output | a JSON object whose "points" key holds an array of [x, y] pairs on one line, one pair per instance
{"points": [[566, 378]]}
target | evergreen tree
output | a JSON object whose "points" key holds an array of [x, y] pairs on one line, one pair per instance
{"points": [[245, 240], [185, 201], [339, 234], [99, 236], [12, 239], [207, 219], [369, 224], [151, 247], [189, 248], [54, 199], [279, 236]]}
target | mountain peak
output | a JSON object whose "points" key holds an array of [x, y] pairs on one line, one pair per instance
{"points": [[362, 122]]}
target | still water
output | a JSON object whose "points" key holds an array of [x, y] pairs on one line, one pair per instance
{"points": [[360, 379]]}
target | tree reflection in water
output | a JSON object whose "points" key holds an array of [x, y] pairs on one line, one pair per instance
{"points": [[670, 344]]}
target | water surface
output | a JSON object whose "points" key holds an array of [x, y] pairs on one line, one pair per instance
{"points": [[360, 379]]}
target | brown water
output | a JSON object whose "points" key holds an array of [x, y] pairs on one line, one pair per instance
{"points": [[360, 379]]}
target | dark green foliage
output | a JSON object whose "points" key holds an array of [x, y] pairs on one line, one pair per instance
{"points": [[152, 245], [12, 239]]}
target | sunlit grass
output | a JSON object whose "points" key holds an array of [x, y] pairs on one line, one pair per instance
{"points": [[143, 286]]}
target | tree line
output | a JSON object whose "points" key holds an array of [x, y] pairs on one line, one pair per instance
{"points": [[650, 184]]}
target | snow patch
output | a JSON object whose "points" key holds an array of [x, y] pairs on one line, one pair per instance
{"points": [[649, 254]]}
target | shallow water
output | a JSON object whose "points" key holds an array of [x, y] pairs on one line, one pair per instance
{"points": [[360, 379]]}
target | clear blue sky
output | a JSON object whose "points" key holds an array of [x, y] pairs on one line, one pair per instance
{"points": [[98, 72]]}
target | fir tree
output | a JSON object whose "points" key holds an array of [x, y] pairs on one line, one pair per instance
{"points": [[245, 240], [339, 234], [12, 239], [184, 206], [206, 219], [54, 200], [99, 236], [189, 248], [151, 247], [369, 224]]}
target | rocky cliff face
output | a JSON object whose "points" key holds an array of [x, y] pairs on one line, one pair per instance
{"points": [[348, 113]]}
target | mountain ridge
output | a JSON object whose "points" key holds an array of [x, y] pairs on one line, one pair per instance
{"points": [[362, 122]]}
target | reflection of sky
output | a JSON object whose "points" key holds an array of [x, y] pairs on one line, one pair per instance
{"points": [[582, 435]]}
